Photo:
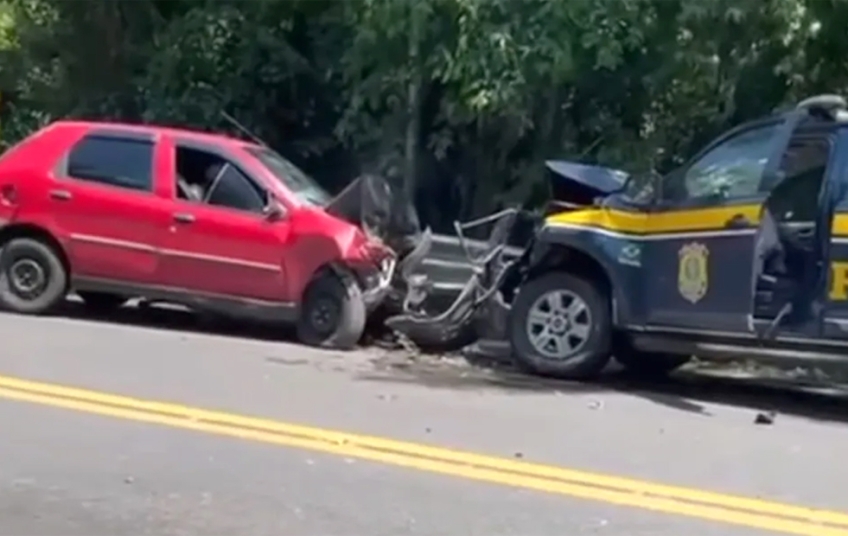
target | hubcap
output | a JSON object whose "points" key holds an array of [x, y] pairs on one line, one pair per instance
{"points": [[324, 315], [27, 277], [559, 324]]}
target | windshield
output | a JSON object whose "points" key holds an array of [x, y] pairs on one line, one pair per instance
{"points": [[292, 177]]}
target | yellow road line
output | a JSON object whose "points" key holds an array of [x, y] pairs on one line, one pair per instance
{"points": [[712, 506]]}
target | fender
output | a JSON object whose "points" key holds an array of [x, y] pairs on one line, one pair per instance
{"points": [[584, 252], [304, 257]]}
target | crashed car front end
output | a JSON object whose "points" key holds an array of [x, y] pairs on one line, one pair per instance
{"points": [[479, 308], [577, 190], [376, 283], [482, 306], [388, 224]]}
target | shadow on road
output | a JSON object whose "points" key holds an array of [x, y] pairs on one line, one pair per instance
{"points": [[689, 390], [766, 393], [178, 319]]}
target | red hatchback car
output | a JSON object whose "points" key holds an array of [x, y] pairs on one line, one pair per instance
{"points": [[115, 211]]}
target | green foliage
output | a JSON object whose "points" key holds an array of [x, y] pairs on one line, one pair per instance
{"points": [[464, 97]]}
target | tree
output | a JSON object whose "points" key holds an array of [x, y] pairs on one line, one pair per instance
{"points": [[460, 100]]}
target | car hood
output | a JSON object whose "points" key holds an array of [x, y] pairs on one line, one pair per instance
{"points": [[380, 210], [581, 183]]}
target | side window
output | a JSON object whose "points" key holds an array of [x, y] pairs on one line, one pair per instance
{"points": [[206, 177], [234, 190], [733, 169], [125, 163], [802, 169]]}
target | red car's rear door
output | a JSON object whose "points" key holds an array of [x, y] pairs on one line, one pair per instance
{"points": [[221, 243], [102, 204]]}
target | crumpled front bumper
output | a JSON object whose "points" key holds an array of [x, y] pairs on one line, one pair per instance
{"points": [[376, 284]]}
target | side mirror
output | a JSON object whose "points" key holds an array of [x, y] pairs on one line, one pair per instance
{"points": [[273, 212]]}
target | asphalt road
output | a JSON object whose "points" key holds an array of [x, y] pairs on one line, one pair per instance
{"points": [[343, 443]]}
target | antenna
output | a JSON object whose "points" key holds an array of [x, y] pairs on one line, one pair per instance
{"points": [[232, 120], [243, 129]]}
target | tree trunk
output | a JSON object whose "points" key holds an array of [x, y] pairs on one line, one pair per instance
{"points": [[414, 102]]}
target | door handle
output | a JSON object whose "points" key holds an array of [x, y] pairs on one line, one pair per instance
{"points": [[805, 232], [61, 195], [738, 221], [184, 217]]}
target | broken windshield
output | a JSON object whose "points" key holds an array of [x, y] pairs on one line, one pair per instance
{"points": [[292, 177]]}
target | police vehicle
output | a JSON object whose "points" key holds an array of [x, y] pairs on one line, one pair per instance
{"points": [[743, 251]]}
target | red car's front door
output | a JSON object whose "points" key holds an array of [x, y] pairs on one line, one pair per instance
{"points": [[220, 243]]}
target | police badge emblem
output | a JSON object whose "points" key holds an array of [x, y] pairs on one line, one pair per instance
{"points": [[692, 275]]}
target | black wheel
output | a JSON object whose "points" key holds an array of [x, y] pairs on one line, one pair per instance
{"points": [[32, 278], [560, 325], [332, 314], [645, 364], [102, 302]]}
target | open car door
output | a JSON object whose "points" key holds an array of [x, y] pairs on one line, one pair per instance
{"points": [[792, 240]]}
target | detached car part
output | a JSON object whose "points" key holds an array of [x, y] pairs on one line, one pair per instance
{"points": [[455, 325], [480, 307]]}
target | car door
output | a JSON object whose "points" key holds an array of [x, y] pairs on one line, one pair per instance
{"points": [[836, 258], [701, 232], [102, 204], [789, 273], [221, 243]]}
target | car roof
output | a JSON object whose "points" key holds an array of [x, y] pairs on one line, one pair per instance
{"points": [[186, 134]]}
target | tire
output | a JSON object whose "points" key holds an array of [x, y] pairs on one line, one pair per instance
{"points": [[102, 302], [591, 356], [648, 365], [341, 298], [23, 256]]}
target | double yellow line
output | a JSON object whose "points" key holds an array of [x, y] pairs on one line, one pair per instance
{"points": [[748, 512]]}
